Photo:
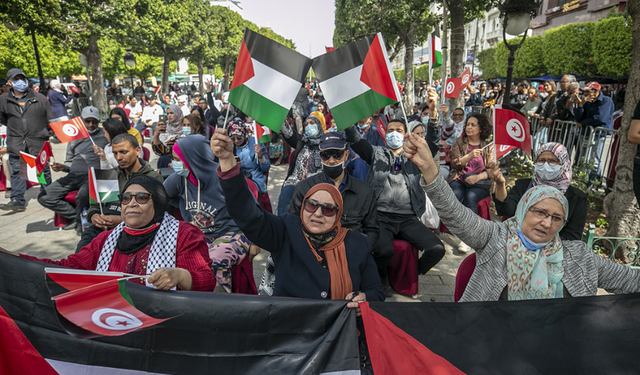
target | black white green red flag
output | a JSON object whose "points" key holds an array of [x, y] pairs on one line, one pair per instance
{"points": [[261, 133], [28, 169], [103, 185], [267, 79], [356, 80]]}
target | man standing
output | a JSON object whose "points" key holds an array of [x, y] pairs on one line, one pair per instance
{"points": [[26, 114], [80, 157], [595, 110], [139, 90], [150, 115], [518, 101], [400, 199]]}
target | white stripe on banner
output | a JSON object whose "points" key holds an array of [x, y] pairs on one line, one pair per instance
{"points": [[273, 85], [67, 368], [343, 87]]}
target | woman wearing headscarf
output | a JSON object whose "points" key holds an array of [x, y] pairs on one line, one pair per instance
{"points": [[195, 189], [58, 100], [523, 257], [166, 135], [315, 257], [306, 160], [552, 168], [253, 156], [121, 114], [149, 242]]}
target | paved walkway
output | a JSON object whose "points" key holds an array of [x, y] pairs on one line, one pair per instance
{"points": [[32, 232]]}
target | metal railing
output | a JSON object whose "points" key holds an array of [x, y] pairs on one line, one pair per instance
{"points": [[602, 245]]}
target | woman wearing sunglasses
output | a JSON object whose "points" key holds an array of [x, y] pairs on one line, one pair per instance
{"points": [[522, 258], [148, 242], [315, 256]]}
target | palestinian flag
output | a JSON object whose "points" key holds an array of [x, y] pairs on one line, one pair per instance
{"points": [[261, 133], [435, 51], [28, 170], [103, 186], [356, 80], [267, 79]]}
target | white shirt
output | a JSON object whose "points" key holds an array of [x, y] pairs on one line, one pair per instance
{"points": [[152, 113], [185, 110], [135, 111]]}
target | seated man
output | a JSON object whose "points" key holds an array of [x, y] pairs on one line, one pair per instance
{"points": [[149, 242], [80, 157], [400, 199], [126, 151], [359, 211]]}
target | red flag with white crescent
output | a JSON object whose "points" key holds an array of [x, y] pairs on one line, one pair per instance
{"points": [[452, 88], [43, 157], [465, 79], [511, 129], [70, 130], [503, 150]]}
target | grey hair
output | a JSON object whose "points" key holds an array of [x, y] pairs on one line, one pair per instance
{"points": [[571, 78], [574, 86]]}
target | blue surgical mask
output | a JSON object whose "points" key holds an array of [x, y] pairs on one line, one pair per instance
{"points": [[395, 140], [186, 130], [311, 130], [333, 129], [20, 85], [178, 167], [364, 126], [425, 120], [530, 245]]}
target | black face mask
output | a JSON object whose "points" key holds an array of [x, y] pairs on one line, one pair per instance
{"points": [[333, 171]]}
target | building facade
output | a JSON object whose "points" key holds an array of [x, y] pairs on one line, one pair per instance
{"points": [[554, 13]]}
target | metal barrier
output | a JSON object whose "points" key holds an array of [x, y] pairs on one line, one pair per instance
{"points": [[78, 104], [612, 244]]}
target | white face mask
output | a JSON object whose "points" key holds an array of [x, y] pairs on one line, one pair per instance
{"points": [[547, 172]]}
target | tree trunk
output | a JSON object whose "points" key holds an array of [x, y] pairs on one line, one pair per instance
{"points": [[227, 74], [624, 218], [457, 45], [200, 79], [409, 80], [99, 94], [165, 75]]}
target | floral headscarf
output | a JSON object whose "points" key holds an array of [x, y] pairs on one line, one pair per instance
{"points": [[563, 180], [534, 274], [236, 127]]}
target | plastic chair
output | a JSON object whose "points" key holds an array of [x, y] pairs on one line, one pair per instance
{"points": [[402, 269], [463, 275], [146, 154], [3, 179], [60, 221]]}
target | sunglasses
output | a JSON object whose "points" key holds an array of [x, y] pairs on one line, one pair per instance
{"points": [[328, 209], [336, 154], [141, 198], [237, 138], [91, 121]]}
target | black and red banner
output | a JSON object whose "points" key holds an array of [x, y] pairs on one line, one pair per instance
{"points": [[240, 334]]}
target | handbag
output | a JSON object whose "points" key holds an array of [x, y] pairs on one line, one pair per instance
{"points": [[482, 184]]}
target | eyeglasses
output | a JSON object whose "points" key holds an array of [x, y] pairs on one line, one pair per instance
{"points": [[550, 161], [458, 114], [141, 198], [328, 154], [91, 121], [237, 138], [543, 215], [328, 209]]}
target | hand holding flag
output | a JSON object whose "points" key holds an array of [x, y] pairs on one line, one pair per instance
{"points": [[70, 130]]}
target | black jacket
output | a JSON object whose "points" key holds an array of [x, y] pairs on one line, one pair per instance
{"points": [[27, 127], [298, 273], [578, 206], [359, 211], [517, 101]]}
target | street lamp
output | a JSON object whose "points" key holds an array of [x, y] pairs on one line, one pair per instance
{"points": [[516, 16], [130, 62]]}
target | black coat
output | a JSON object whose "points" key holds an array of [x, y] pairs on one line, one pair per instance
{"points": [[359, 211], [578, 206], [298, 273], [27, 127]]}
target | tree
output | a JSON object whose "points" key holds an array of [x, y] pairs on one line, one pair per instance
{"points": [[403, 24], [528, 63], [611, 46], [624, 218], [228, 40], [563, 49], [488, 64]]}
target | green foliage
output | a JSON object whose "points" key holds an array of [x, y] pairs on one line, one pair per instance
{"points": [[528, 63], [602, 223], [488, 64], [421, 74], [580, 180], [612, 46], [520, 166], [566, 49]]}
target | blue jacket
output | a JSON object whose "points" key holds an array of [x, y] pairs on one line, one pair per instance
{"points": [[598, 113], [252, 165], [58, 102]]}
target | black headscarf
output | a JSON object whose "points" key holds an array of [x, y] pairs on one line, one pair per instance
{"points": [[129, 244], [120, 112]]}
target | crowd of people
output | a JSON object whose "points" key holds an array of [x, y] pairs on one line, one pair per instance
{"points": [[347, 195]]}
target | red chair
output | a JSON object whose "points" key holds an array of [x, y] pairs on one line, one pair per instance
{"points": [[463, 275], [60, 221], [484, 211], [146, 154], [402, 269]]}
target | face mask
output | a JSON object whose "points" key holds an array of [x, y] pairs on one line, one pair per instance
{"points": [[395, 140], [178, 167], [333, 129], [186, 130], [311, 130], [547, 171], [364, 126], [20, 85], [320, 94], [315, 103], [333, 171], [425, 120], [530, 245]]}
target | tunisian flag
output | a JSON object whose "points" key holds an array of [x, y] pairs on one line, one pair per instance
{"points": [[43, 157], [512, 129], [465, 78], [70, 130], [452, 88]]}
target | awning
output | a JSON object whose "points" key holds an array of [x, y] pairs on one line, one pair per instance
{"points": [[179, 78]]}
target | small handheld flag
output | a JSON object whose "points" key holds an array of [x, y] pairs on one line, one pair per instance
{"points": [[28, 170], [261, 133], [43, 157], [465, 79], [70, 130], [103, 186], [511, 129], [452, 88]]}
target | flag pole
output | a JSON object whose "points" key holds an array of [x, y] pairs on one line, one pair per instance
{"points": [[226, 116]]}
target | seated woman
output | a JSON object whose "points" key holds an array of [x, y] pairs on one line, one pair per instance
{"points": [[252, 156], [553, 168], [201, 127], [315, 257], [165, 135], [523, 257], [195, 189], [121, 114], [470, 161], [148, 242]]}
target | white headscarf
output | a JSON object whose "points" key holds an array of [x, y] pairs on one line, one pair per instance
{"points": [[55, 85]]}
